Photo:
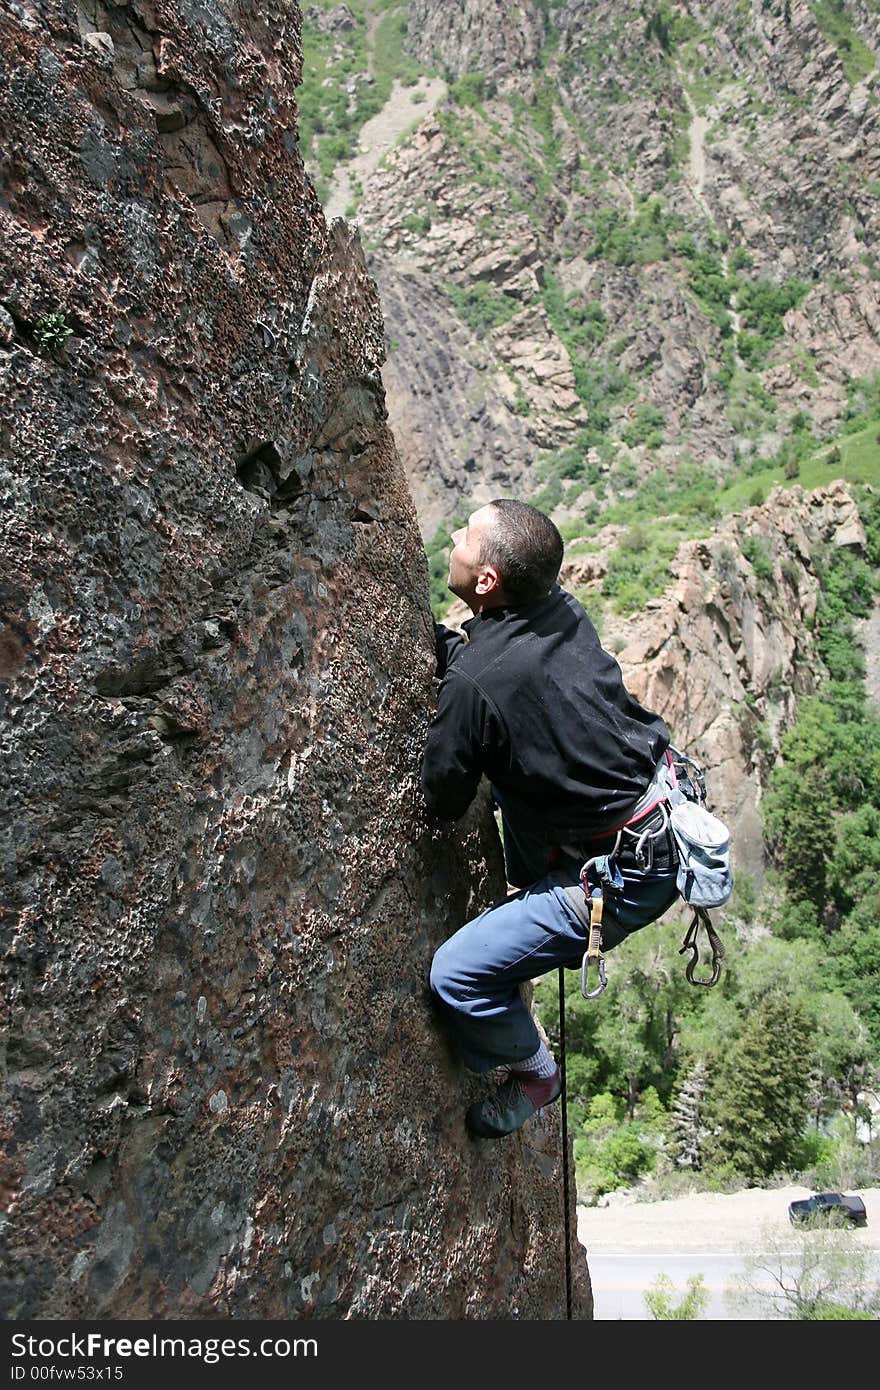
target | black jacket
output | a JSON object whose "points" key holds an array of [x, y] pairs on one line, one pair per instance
{"points": [[532, 701]]}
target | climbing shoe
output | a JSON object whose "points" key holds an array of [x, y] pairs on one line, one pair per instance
{"points": [[515, 1101]]}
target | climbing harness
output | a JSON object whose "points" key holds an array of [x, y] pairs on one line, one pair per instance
{"points": [[704, 862], [678, 792]]}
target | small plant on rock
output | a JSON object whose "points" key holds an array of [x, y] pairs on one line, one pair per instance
{"points": [[51, 331]]}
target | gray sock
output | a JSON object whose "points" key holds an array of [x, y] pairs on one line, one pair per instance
{"points": [[541, 1067]]}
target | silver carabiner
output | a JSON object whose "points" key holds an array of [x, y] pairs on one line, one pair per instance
{"points": [[585, 977]]}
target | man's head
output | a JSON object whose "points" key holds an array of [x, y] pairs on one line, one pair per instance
{"points": [[509, 553]]}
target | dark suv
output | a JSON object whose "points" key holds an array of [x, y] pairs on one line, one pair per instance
{"points": [[822, 1204]]}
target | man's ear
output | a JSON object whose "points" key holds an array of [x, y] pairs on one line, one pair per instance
{"points": [[488, 581]]}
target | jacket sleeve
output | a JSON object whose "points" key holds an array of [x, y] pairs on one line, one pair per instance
{"points": [[458, 736], [447, 644]]}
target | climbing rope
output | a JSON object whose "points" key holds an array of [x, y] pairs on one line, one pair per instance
{"points": [[562, 1102]]}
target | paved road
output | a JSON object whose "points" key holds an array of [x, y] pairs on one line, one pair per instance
{"points": [[619, 1282]]}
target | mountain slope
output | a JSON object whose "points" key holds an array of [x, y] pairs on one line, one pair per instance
{"points": [[655, 224]]}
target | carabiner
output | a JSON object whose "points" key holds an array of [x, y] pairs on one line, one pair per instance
{"points": [[585, 973], [690, 943], [694, 962]]}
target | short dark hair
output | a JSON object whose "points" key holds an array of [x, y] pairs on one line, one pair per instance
{"points": [[527, 549]]}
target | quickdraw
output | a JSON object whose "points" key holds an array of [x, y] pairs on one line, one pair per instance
{"points": [[702, 919], [593, 954]]}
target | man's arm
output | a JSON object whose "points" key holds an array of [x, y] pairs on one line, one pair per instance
{"points": [[453, 762], [447, 643]]}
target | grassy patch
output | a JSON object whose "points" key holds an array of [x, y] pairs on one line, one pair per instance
{"points": [[389, 60], [853, 457], [688, 492], [855, 56]]}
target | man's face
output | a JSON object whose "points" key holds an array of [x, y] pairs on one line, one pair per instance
{"points": [[468, 577]]}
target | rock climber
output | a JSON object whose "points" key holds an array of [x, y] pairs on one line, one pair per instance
{"points": [[530, 700]]}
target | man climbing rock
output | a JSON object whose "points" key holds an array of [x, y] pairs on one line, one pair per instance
{"points": [[531, 700]]}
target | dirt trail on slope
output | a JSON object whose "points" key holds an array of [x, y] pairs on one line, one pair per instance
{"points": [[697, 178], [406, 107]]}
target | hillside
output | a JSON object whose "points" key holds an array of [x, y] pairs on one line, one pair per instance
{"points": [[630, 238]]}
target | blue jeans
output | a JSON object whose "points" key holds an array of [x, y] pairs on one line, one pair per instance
{"points": [[476, 974]]}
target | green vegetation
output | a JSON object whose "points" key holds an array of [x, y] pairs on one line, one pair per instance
{"points": [[668, 26], [418, 222], [659, 1299], [854, 457], [51, 331], [817, 1273], [708, 282], [763, 307], [437, 551], [757, 552], [638, 240], [837, 26], [640, 567], [646, 427], [822, 805], [470, 90], [758, 1105], [331, 115], [390, 62], [481, 305]]}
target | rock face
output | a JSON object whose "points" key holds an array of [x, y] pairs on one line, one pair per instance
{"points": [[224, 1093], [500, 37]]}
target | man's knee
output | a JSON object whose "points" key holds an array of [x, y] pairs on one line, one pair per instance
{"points": [[441, 972]]}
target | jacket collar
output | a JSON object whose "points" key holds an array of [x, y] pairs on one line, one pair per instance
{"points": [[479, 621]]}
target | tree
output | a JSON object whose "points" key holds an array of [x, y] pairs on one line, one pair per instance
{"points": [[798, 811], [658, 1299], [688, 1119], [855, 952], [815, 1273], [757, 1102]]}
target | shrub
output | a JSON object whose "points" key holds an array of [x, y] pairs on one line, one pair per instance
{"points": [[659, 1299], [470, 90], [757, 552], [481, 306]]}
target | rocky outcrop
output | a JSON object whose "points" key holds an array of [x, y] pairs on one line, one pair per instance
{"points": [[497, 37], [224, 1094]]}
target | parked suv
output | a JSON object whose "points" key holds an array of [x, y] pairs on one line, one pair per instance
{"points": [[821, 1204]]}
